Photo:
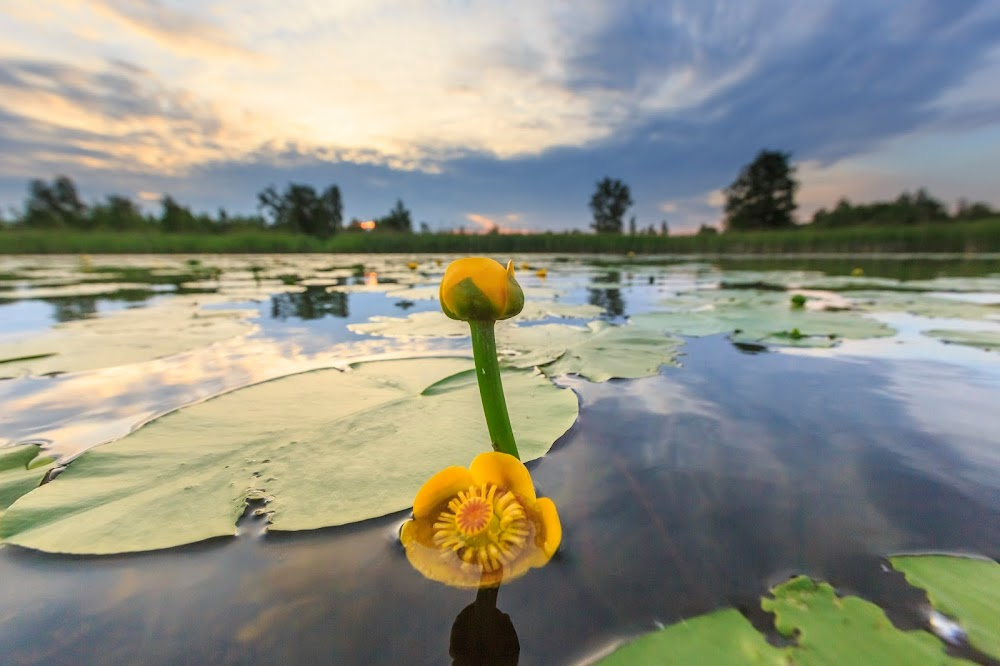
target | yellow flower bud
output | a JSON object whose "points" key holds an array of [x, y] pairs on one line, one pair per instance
{"points": [[480, 289]]}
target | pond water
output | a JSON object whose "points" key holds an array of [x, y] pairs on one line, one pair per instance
{"points": [[749, 458]]}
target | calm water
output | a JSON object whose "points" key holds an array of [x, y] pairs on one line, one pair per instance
{"points": [[680, 493]]}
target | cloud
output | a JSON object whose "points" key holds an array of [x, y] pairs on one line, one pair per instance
{"points": [[487, 224], [463, 107], [172, 28]]}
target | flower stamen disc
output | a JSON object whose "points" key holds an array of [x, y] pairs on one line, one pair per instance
{"points": [[484, 525]]}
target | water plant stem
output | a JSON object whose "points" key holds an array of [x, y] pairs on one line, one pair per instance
{"points": [[484, 349]]}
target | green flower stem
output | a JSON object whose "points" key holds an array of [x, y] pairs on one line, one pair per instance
{"points": [[484, 349]]}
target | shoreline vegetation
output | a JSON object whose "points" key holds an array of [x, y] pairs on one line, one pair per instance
{"points": [[973, 237]]}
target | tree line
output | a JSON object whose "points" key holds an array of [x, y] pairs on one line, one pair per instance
{"points": [[762, 197], [300, 208]]}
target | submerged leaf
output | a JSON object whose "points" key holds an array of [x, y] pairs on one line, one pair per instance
{"points": [[327, 447], [964, 588]]}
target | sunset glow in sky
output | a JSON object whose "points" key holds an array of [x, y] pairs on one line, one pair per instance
{"points": [[481, 113]]}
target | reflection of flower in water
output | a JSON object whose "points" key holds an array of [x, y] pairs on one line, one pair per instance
{"points": [[480, 526]]}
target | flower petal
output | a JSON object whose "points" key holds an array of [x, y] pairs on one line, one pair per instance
{"points": [[505, 471], [551, 527], [440, 487], [426, 559]]}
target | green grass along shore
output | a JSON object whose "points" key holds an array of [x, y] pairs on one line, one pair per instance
{"points": [[968, 237]]}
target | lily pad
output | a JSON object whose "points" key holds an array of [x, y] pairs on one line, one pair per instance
{"points": [[964, 588], [323, 448], [599, 352], [924, 305], [432, 324], [21, 470], [123, 336], [822, 628], [76, 290], [830, 629], [988, 340], [763, 318], [723, 637]]}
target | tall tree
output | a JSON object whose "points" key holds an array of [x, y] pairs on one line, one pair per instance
{"points": [[333, 207], [608, 204], [175, 217], [55, 205], [398, 219], [763, 195]]}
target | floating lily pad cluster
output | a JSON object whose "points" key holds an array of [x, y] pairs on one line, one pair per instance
{"points": [[195, 470], [823, 627]]}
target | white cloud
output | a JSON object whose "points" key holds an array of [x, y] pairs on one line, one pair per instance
{"points": [[393, 83]]}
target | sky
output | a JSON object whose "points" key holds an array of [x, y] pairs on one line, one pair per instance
{"points": [[478, 114]]}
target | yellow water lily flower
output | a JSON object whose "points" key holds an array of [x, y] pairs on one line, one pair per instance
{"points": [[481, 526], [542, 272], [412, 265], [480, 289]]}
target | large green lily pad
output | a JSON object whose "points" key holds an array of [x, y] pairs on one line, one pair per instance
{"points": [[326, 447], [21, 470], [830, 629], [964, 588], [723, 637]]}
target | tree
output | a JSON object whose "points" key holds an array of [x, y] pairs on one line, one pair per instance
{"points": [[631, 226], [763, 195], [398, 219], [118, 213], [973, 211], [333, 207], [175, 217], [301, 209], [608, 204], [55, 205]]}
